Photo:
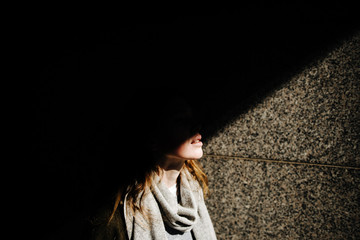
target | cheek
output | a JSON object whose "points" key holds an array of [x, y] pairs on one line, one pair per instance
{"points": [[183, 149]]}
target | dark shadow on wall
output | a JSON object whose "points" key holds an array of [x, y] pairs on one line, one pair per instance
{"points": [[221, 62]]}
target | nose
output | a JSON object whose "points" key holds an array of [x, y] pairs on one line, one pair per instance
{"points": [[196, 128], [198, 136]]}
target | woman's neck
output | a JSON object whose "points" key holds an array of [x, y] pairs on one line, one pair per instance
{"points": [[171, 166]]}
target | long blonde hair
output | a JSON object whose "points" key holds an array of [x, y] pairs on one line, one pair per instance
{"points": [[136, 189]]}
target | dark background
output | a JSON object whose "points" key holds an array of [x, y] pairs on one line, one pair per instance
{"points": [[85, 73]]}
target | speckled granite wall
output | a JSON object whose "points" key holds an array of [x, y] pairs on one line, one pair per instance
{"points": [[289, 168]]}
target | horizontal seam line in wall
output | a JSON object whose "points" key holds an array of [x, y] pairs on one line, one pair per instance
{"points": [[283, 162]]}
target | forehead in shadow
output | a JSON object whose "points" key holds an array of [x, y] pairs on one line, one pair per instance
{"points": [[162, 118]]}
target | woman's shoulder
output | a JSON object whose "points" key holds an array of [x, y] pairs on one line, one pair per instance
{"points": [[101, 227]]}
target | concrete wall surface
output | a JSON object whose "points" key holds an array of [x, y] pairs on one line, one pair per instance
{"points": [[289, 168]]}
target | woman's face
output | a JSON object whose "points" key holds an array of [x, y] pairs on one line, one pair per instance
{"points": [[178, 133], [190, 148]]}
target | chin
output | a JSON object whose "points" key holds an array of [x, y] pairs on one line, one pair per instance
{"points": [[196, 155], [190, 151]]}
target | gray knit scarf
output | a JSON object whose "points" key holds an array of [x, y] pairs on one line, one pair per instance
{"points": [[161, 208]]}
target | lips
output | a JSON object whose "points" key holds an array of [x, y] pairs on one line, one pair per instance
{"points": [[196, 141]]}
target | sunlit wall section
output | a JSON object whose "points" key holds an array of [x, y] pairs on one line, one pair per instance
{"points": [[289, 168]]}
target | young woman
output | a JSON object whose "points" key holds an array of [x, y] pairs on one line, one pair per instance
{"points": [[162, 195]]}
